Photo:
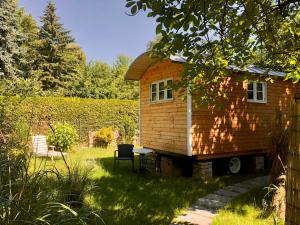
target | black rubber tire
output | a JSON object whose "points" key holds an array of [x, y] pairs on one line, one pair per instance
{"points": [[234, 165]]}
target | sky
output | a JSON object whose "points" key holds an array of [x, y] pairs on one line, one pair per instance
{"points": [[100, 27]]}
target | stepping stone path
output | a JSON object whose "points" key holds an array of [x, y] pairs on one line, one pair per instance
{"points": [[205, 208]]}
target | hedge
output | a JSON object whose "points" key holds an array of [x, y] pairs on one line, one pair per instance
{"points": [[85, 114]]}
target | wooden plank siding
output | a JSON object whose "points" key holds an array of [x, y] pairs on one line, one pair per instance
{"points": [[163, 124], [240, 127]]}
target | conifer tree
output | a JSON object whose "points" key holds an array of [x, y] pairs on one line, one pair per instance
{"points": [[30, 43], [55, 69], [10, 39]]}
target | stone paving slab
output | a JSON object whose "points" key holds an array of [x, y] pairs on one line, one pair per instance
{"points": [[219, 198], [224, 192], [210, 204], [204, 209], [240, 190], [195, 219]]}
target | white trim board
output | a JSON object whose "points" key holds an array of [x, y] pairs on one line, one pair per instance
{"points": [[189, 124], [139, 113]]}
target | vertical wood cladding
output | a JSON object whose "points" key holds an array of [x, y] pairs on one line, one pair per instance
{"points": [[234, 127], [163, 124], [240, 126]]}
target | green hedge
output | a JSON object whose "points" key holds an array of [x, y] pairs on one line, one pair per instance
{"points": [[85, 114]]}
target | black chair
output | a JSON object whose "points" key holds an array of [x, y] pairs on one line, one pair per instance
{"points": [[124, 153]]}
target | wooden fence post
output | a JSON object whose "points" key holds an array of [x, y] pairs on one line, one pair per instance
{"points": [[293, 168]]}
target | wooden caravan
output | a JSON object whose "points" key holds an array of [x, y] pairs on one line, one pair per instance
{"points": [[172, 125]]}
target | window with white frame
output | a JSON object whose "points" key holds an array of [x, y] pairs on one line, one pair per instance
{"points": [[257, 91], [161, 90]]}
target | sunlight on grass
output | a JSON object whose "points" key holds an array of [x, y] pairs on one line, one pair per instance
{"points": [[246, 210], [127, 198]]}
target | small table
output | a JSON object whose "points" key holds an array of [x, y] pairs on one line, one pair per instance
{"points": [[142, 152]]}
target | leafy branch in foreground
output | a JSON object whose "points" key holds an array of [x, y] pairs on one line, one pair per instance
{"points": [[214, 34]]}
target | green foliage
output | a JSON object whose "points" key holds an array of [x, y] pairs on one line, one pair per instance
{"points": [[104, 136], [121, 89], [214, 34], [10, 40], [84, 114], [29, 46], [52, 64], [19, 86], [127, 129], [74, 185], [63, 136], [247, 209], [100, 80], [55, 67]]}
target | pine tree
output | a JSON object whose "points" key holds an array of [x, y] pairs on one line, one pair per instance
{"points": [[10, 39], [30, 32], [55, 69]]}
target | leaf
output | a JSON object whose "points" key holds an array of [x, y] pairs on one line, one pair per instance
{"points": [[293, 62], [134, 9], [158, 28], [129, 4]]}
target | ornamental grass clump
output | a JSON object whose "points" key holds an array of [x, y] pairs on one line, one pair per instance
{"points": [[63, 136], [74, 185]]}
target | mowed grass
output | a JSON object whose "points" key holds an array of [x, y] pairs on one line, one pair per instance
{"points": [[126, 198], [247, 209]]}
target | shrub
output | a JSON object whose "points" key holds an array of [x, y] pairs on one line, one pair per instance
{"points": [[84, 114], [63, 136], [104, 136]]}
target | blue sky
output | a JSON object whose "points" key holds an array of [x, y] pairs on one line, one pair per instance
{"points": [[100, 27]]}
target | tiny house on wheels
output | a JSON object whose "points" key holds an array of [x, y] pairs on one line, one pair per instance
{"points": [[235, 137]]}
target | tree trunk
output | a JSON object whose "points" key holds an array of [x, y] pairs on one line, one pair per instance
{"points": [[293, 169]]}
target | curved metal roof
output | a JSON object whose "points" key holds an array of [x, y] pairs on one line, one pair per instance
{"points": [[139, 66]]}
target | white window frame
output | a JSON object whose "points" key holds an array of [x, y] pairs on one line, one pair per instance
{"points": [[264, 91], [165, 99]]}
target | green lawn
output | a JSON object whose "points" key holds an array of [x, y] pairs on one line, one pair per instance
{"points": [[246, 210], [127, 198]]}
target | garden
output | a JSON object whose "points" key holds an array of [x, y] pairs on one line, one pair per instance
{"points": [[82, 187]]}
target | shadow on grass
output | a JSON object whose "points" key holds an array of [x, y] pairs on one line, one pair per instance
{"points": [[131, 198], [255, 198]]}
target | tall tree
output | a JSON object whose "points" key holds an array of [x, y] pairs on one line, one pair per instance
{"points": [[30, 43], [10, 39], [122, 89], [213, 34], [54, 40], [94, 82]]}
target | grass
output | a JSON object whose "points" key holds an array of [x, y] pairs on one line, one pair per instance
{"points": [[127, 198], [246, 209]]}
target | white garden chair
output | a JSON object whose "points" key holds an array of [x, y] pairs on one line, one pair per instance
{"points": [[40, 147]]}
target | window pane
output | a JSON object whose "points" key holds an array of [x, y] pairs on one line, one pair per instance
{"points": [[169, 94], [169, 83], [250, 95], [153, 88], [153, 97], [250, 86], [161, 86], [161, 95], [260, 95], [259, 86]]}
